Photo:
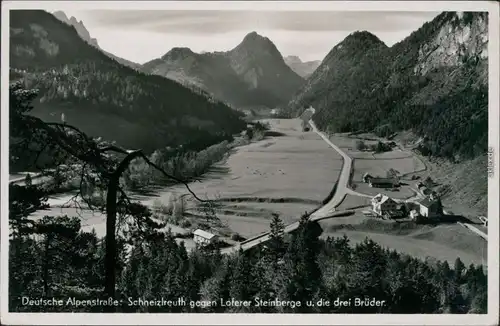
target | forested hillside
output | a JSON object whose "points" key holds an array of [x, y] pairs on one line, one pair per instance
{"points": [[295, 270], [434, 83], [104, 98]]}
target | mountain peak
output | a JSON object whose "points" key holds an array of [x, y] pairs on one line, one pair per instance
{"points": [[292, 59], [363, 36], [178, 53], [254, 38], [61, 15], [253, 34]]}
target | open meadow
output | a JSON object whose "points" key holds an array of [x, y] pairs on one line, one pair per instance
{"points": [[378, 164], [289, 173], [441, 242]]}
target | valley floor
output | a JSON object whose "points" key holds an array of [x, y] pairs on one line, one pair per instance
{"points": [[291, 173]]}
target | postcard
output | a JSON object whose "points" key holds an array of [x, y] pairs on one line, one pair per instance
{"points": [[250, 162]]}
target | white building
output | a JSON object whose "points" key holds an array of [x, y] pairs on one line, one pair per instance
{"points": [[204, 238], [382, 204], [430, 207]]}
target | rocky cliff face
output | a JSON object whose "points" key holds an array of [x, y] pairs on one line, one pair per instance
{"points": [[85, 35], [78, 25], [303, 69], [253, 74], [461, 37]]}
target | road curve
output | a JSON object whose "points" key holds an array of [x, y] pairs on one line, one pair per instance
{"points": [[250, 243], [326, 211]]}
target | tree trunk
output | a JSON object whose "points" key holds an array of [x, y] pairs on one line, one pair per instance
{"points": [[110, 256], [46, 266], [111, 210]]}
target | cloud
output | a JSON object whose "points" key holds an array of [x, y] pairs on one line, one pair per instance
{"points": [[142, 35], [217, 21]]}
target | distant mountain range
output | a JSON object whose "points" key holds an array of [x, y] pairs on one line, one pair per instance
{"points": [[253, 74], [105, 98], [303, 69], [85, 35]]}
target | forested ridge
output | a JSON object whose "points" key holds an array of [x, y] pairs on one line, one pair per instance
{"points": [[55, 260], [434, 82], [104, 98]]}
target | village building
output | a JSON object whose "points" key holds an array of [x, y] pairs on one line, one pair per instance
{"points": [[430, 207], [383, 182], [204, 238], [383, 205]]}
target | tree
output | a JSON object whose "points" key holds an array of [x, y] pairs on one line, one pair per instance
{"points": [[27, 180], [301, 262], [276, 245], [96, 164], [428, 182], [360, 145], [392, 173]]}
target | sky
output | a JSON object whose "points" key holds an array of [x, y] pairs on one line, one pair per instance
{"points": [[143, 35]]}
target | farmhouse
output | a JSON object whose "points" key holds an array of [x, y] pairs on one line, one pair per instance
{"points": [[430, 207], [204, 238], [384, 205], [383, 182]]}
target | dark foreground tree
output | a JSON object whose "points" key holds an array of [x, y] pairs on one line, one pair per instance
{"points": [[100, 163]]}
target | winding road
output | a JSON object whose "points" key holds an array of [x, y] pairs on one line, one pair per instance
{"points": [[324, 212]]}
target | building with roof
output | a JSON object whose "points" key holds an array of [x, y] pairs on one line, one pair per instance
{"points": [[204, 238], [383, 205], [383, 182], [430, 207]]}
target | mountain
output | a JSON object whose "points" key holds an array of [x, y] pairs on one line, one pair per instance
{"points": [[303, 69], [434, 83], [104, 98], [253, 74], [85, 35]]}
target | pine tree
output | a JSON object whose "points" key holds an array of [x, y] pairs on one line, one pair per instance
{"points": [[301, 263], [242, 284], [276, 245]]}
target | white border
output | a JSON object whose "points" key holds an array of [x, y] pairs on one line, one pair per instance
{"points": [[264, 319]]}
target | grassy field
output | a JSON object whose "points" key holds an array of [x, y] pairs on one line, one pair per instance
{"points": [[377, 164], [289, 173], [442, 242], [353, 202]]}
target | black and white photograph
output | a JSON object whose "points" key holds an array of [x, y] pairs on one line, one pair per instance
{"points": [[250, 162]]}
